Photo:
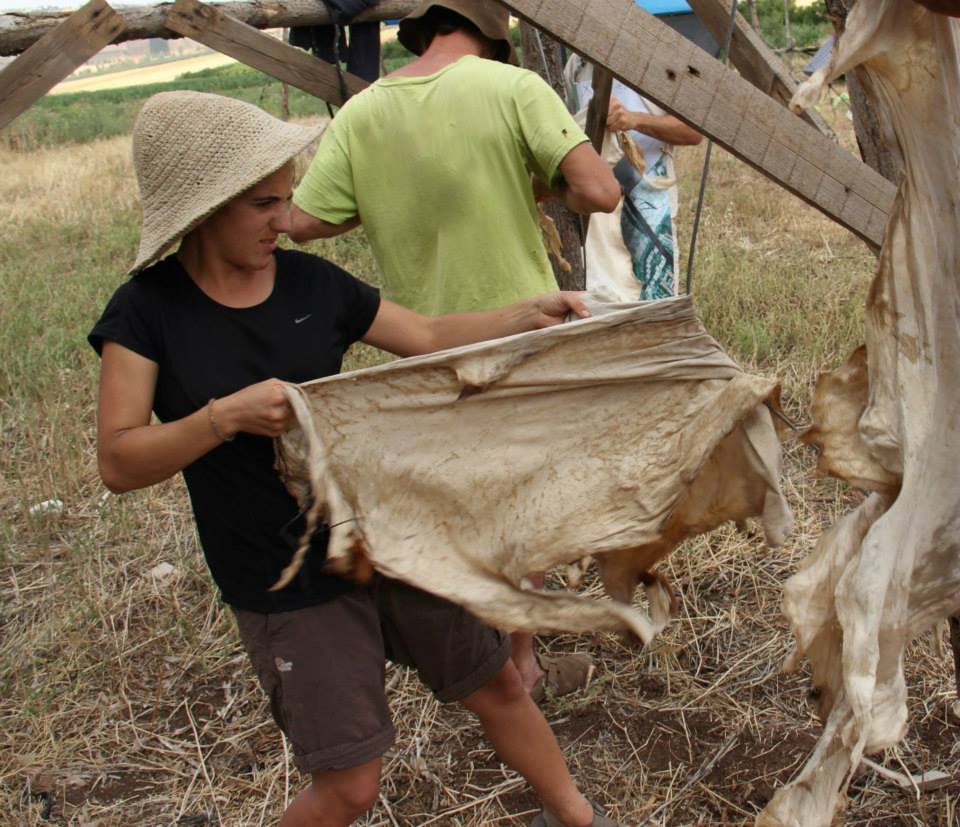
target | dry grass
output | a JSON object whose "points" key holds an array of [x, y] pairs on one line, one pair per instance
{"points": [[126, 700]]}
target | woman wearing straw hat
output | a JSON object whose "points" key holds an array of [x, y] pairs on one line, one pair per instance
{"points": [[203, 338]]}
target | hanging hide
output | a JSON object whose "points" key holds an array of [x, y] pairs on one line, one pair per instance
{"points": [[461, 471], [888, 420]]}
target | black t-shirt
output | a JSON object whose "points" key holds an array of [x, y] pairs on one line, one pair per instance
{"points": [[248, 524]]}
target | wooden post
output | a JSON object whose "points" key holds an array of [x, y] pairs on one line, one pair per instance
{"points": [[544, 56], [219, 31], [660, 64], [755, 61], [597, 110], [55, 56], [284, 101], [599, 107], [873, 150], [954, 622], [788, 32], [285, 87]]}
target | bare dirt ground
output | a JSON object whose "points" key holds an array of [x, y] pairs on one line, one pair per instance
{"points": [[697, 730]]}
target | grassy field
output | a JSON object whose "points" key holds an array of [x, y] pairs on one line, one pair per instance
{"points": [[142, 75], [124, 694], [80, 117]]}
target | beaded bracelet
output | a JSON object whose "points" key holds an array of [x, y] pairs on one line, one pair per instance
{"points": [[213, 424]]}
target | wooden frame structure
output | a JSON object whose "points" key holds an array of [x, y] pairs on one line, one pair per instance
{"points": [[755, 61], [20, 31], [661, 64], [55, 56], [617, 35], [208, 25]]}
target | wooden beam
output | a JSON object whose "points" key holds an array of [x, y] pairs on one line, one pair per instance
{"points": [[20, 31], [599, 107], [756, 61], [648, 56], [596, 125], [55, 56], [210, 26]]}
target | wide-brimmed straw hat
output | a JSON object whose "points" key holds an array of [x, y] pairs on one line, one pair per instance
{"points": [[491, 18], [193, 152]]}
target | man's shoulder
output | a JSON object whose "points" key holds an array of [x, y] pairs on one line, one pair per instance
{"points": [[472, 69], [494, 71]]}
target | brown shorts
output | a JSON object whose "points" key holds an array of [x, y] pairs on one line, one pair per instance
{"points": [[323, 667]]}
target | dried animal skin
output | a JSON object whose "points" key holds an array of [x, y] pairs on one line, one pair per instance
{"points": [[632, 152], [891, 569], [839, 401], [551, 239], [462, 471], [715, 496]]}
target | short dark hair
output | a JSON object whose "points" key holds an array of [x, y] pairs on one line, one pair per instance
{"points": [[441, 20]]}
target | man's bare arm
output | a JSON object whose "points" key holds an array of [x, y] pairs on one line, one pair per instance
{"points": [[587, 183], [304, 227], [664, 128]]}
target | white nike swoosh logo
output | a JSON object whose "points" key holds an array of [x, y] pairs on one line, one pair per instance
{"points": [[302, 318]]}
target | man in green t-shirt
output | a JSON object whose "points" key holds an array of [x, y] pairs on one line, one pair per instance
{"points": [[435, 161]]}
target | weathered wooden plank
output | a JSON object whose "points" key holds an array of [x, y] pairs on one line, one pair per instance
{"points": [[55, 56], [209, 25], [755, 61], [656, 61], [599, 107], [596, 125], [19, 31]]}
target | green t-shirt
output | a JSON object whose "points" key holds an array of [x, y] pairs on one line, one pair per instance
{"points": [[437, 167]]}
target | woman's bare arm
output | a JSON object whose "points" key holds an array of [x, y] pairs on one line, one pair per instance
{"points": [[305, 227], [401, 331], [133, 453]]}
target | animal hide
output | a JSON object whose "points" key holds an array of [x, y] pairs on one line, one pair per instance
{"points": [[888, 419], [459, 472]]}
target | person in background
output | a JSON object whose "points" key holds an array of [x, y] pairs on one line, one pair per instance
{"points": [[647, 218], [361, 53], [205, 339], [435, 161]]}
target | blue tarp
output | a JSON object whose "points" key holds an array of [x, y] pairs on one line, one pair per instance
{"points": [[821, 58], [664, 6], [678, 15]]}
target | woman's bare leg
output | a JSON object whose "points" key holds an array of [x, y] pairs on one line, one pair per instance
{"points": [[335, 798], [523, 740]]}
